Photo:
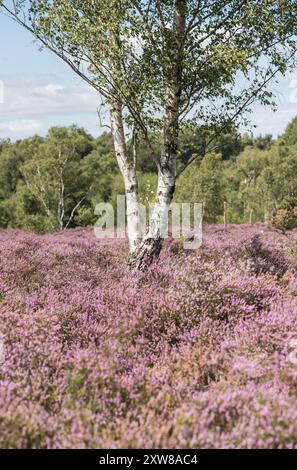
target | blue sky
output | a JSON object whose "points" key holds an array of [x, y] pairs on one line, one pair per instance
{"points": [[40, 91]]}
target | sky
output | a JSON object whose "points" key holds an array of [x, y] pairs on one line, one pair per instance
{"points": [[38, 91]]}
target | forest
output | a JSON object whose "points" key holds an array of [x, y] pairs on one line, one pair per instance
{"points": [[251, 179]]}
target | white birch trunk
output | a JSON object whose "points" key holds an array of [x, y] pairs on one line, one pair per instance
{"points": [[128, 172], [151, 244]]}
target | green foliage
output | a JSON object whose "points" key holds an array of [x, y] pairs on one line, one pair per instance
{"points": [[53, 178], [12, 157], [43, 179], [203, 182], [133, 53], [256, 184], [147, 188], [290, 135]]}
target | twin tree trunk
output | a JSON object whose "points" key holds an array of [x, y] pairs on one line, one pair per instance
{"points": [[144, 249]]}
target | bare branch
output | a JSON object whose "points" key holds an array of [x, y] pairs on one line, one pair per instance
{"points": [[73, 212]]}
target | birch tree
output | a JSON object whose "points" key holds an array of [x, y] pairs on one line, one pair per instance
{"points": [[164, 65], [52, 172]]}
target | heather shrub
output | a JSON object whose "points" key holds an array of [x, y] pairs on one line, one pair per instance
{"points": [[192, 353], [285, 217], [264, 260]]}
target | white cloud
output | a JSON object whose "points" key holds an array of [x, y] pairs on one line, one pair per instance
{"points": [[20, 126], [1, 92], [34, 103], [52, 89], [28, 96]]}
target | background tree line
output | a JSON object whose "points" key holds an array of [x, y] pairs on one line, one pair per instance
{"points": [[54, 182]]}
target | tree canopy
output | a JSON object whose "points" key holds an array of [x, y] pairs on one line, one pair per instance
{"points": [[230, 52]]}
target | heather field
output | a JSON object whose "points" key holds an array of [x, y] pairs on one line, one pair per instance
{"points": [[196, 352]]}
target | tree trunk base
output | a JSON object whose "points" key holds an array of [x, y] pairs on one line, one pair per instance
{"points": [[145, 254]]}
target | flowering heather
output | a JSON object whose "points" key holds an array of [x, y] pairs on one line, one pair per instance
{"points": [[196, 352]]}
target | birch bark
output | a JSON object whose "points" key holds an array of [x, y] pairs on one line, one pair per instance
{"points": [[128, 172], [151, 244]]}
